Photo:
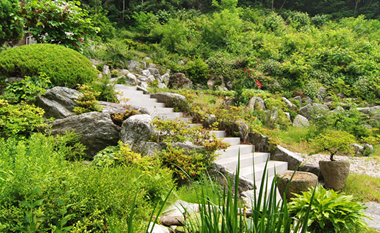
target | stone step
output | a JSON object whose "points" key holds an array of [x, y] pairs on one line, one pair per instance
{"points": [[273, 168], [233, 151], [232, 140], [246, 160], [219, 133]]}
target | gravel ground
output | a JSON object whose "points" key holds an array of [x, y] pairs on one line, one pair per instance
{"points": [[359, 165]]}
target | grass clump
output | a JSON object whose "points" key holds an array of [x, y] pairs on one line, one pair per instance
{"points": [[64, 66], [363, 187]]}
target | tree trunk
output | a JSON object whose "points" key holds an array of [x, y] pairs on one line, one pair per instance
{"points": [[283, 3]]}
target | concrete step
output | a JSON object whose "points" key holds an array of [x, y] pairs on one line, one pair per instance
{"points": [[233, 151], [273, 168], [219, 133], [246, 160], [232, 140]]}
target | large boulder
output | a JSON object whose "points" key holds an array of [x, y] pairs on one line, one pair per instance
{"points": [[179, 80], [137, 128], [96, 130], [300, 121], [289, 104], [312, 108], [58, 102], [170, 99]]}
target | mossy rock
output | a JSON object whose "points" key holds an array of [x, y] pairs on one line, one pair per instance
{"points": [[64, 66]]}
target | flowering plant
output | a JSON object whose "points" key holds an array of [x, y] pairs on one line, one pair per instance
{"points": [[252, 80]]}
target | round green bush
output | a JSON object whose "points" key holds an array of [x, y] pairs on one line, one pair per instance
{"points": [[64, 66]]}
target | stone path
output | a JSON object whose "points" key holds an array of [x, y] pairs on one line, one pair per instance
{"points": [[373, 211]]}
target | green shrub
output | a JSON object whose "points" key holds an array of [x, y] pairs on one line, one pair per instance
{"points": [[87, 101], [11, 24], [19, 120], [28, 88], [64, 66], [197, 70], [39, 188], [330, 211]]}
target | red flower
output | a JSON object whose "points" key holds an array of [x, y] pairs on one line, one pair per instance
{"points": [[261, 75], [245, 70], [123, 106]]}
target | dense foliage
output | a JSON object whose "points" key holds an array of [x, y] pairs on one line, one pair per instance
{"points": [[11, 24], [64, 66], [41, 191], [57, 22]]}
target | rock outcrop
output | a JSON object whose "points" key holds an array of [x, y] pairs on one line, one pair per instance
{"points": [[96, 130]]}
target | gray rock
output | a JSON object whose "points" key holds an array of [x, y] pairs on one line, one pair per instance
{"points": [[312, 168], [322, 90], [369, 146], [369, 110], [155, 72], [289, 104], [187, 146], [150, 78], [137, 128], [260, 141], [134, 65], [340, 95], [143, 64], [96, 130], [357, 148], [145, 73], [147, 148], [165, 78], [210, 84], [131, 79], [179, 80], [96, 62], [338, 109], [152, 65], [144, 85], [328, 99], [306, 110], [288, 116], [170, 99], [300, 121], [142, 78], [229, 85], [124, 72], [308, 100], [282, 154], [162, 85], [112, 108], [299, 99], [144, 90], [58, 102], [106, 70], [256, 103], [146, 58]]}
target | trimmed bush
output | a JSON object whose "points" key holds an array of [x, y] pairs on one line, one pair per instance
{"points": [[64, 66]]}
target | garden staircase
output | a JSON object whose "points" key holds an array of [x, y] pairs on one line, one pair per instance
{"points": [[251, 163]]}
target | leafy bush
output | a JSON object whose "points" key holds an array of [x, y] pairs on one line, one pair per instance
{"points": [[106, 89], [19, 120], [27, 89], [197, 70], [58, 22], [11, 24], [330, 211], [64, 66]]}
